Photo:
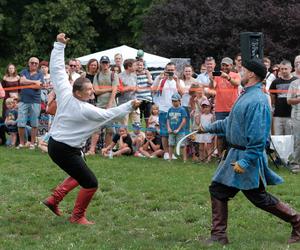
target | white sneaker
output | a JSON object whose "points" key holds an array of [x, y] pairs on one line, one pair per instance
{"points": [[140, 155], [174, 157], [32, 146], [166, 156], [20, 146]]}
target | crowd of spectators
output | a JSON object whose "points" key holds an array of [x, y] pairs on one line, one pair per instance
{"points": [[173, 104]]}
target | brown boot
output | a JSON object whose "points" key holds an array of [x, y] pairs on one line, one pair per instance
{"points": [[59, 193], [219, 222], [284, 212], [83, 199]]}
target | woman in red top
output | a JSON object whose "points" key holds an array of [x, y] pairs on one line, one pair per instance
{"points": [[10, 80]]}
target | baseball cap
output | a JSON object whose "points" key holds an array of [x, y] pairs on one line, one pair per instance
{"points": [[104, 59], [257, 67], [206, 102], [136, 125], [140, 53], [176, 97], [227, 60]]}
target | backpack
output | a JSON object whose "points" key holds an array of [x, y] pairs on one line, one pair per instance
{"points": [[112, 78]]}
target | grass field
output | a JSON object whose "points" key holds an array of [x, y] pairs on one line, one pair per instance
{"points": [[141, 204]]}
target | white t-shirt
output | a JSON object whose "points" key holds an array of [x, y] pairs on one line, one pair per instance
{"points": [[164, 100]]}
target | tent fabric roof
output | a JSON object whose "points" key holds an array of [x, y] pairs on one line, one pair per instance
{"points": [[127, 52]]}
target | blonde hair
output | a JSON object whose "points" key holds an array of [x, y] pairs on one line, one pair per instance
{"points": [[154, 106], [9, 101]]}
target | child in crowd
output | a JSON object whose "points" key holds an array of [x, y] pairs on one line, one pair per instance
{"points": [[153, 119], [11, 116], [176, 119], [152, 146], [123, 142], [143, 91], [205, 141], [137, 136], [197, 97]]}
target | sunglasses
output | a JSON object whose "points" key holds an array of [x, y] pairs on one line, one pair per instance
{"points": [[72, 65], [209, 58], [34, 63]]}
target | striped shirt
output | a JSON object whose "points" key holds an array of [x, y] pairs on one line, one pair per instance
{"points": [[143, 88]]}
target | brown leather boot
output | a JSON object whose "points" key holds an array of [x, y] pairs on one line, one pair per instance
{"points": [[284, 212], [219, 222], [83, 199], [59, 193]]}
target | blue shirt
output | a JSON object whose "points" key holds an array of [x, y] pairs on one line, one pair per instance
{"points": [[31, 95], [175, 117], [248, 125]]}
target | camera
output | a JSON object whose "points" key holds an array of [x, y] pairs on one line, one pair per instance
{"points": [[170, 73], [216, 73]]}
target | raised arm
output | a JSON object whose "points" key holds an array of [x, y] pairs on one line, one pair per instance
{"points": [[59, 76]]}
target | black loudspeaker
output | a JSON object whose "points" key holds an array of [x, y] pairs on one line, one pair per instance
{"points": [[252, 45]]}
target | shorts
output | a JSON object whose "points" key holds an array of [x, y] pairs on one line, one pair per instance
{"points": [[162, 119], [174, 139], [12, 129], [28, 112]]}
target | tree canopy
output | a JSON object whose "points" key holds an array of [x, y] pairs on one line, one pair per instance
{"points": [[171, 28], [29, 27], [197, 29]]}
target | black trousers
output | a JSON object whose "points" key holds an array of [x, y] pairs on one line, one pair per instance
{"points": [[70, 160], [145, 109], [258, 196]]}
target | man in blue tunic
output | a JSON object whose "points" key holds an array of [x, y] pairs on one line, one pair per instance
{"points": [[246, 167]]}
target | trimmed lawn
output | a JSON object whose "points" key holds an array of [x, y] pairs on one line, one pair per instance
{"points": [[141, 204]]}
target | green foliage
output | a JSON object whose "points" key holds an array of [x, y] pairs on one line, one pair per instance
{"points": [[196, 29], [29, 27], [41, 23], [141, 204]]}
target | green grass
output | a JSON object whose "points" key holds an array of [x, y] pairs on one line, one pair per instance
{"points": [[141, 204]]}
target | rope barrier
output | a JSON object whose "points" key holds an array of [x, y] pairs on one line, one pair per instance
{"points": [[152, 89]]}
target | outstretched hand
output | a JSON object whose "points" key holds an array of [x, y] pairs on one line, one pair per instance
{"points": [[61, 37]]}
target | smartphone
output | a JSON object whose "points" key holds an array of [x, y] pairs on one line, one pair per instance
{"points": [[170, 73], [216, 73]]}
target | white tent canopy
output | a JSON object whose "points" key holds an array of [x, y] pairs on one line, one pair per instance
{"points": [[127, 52]]}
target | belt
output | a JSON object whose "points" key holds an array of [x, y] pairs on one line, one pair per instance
{"points": [[237, 146]]}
